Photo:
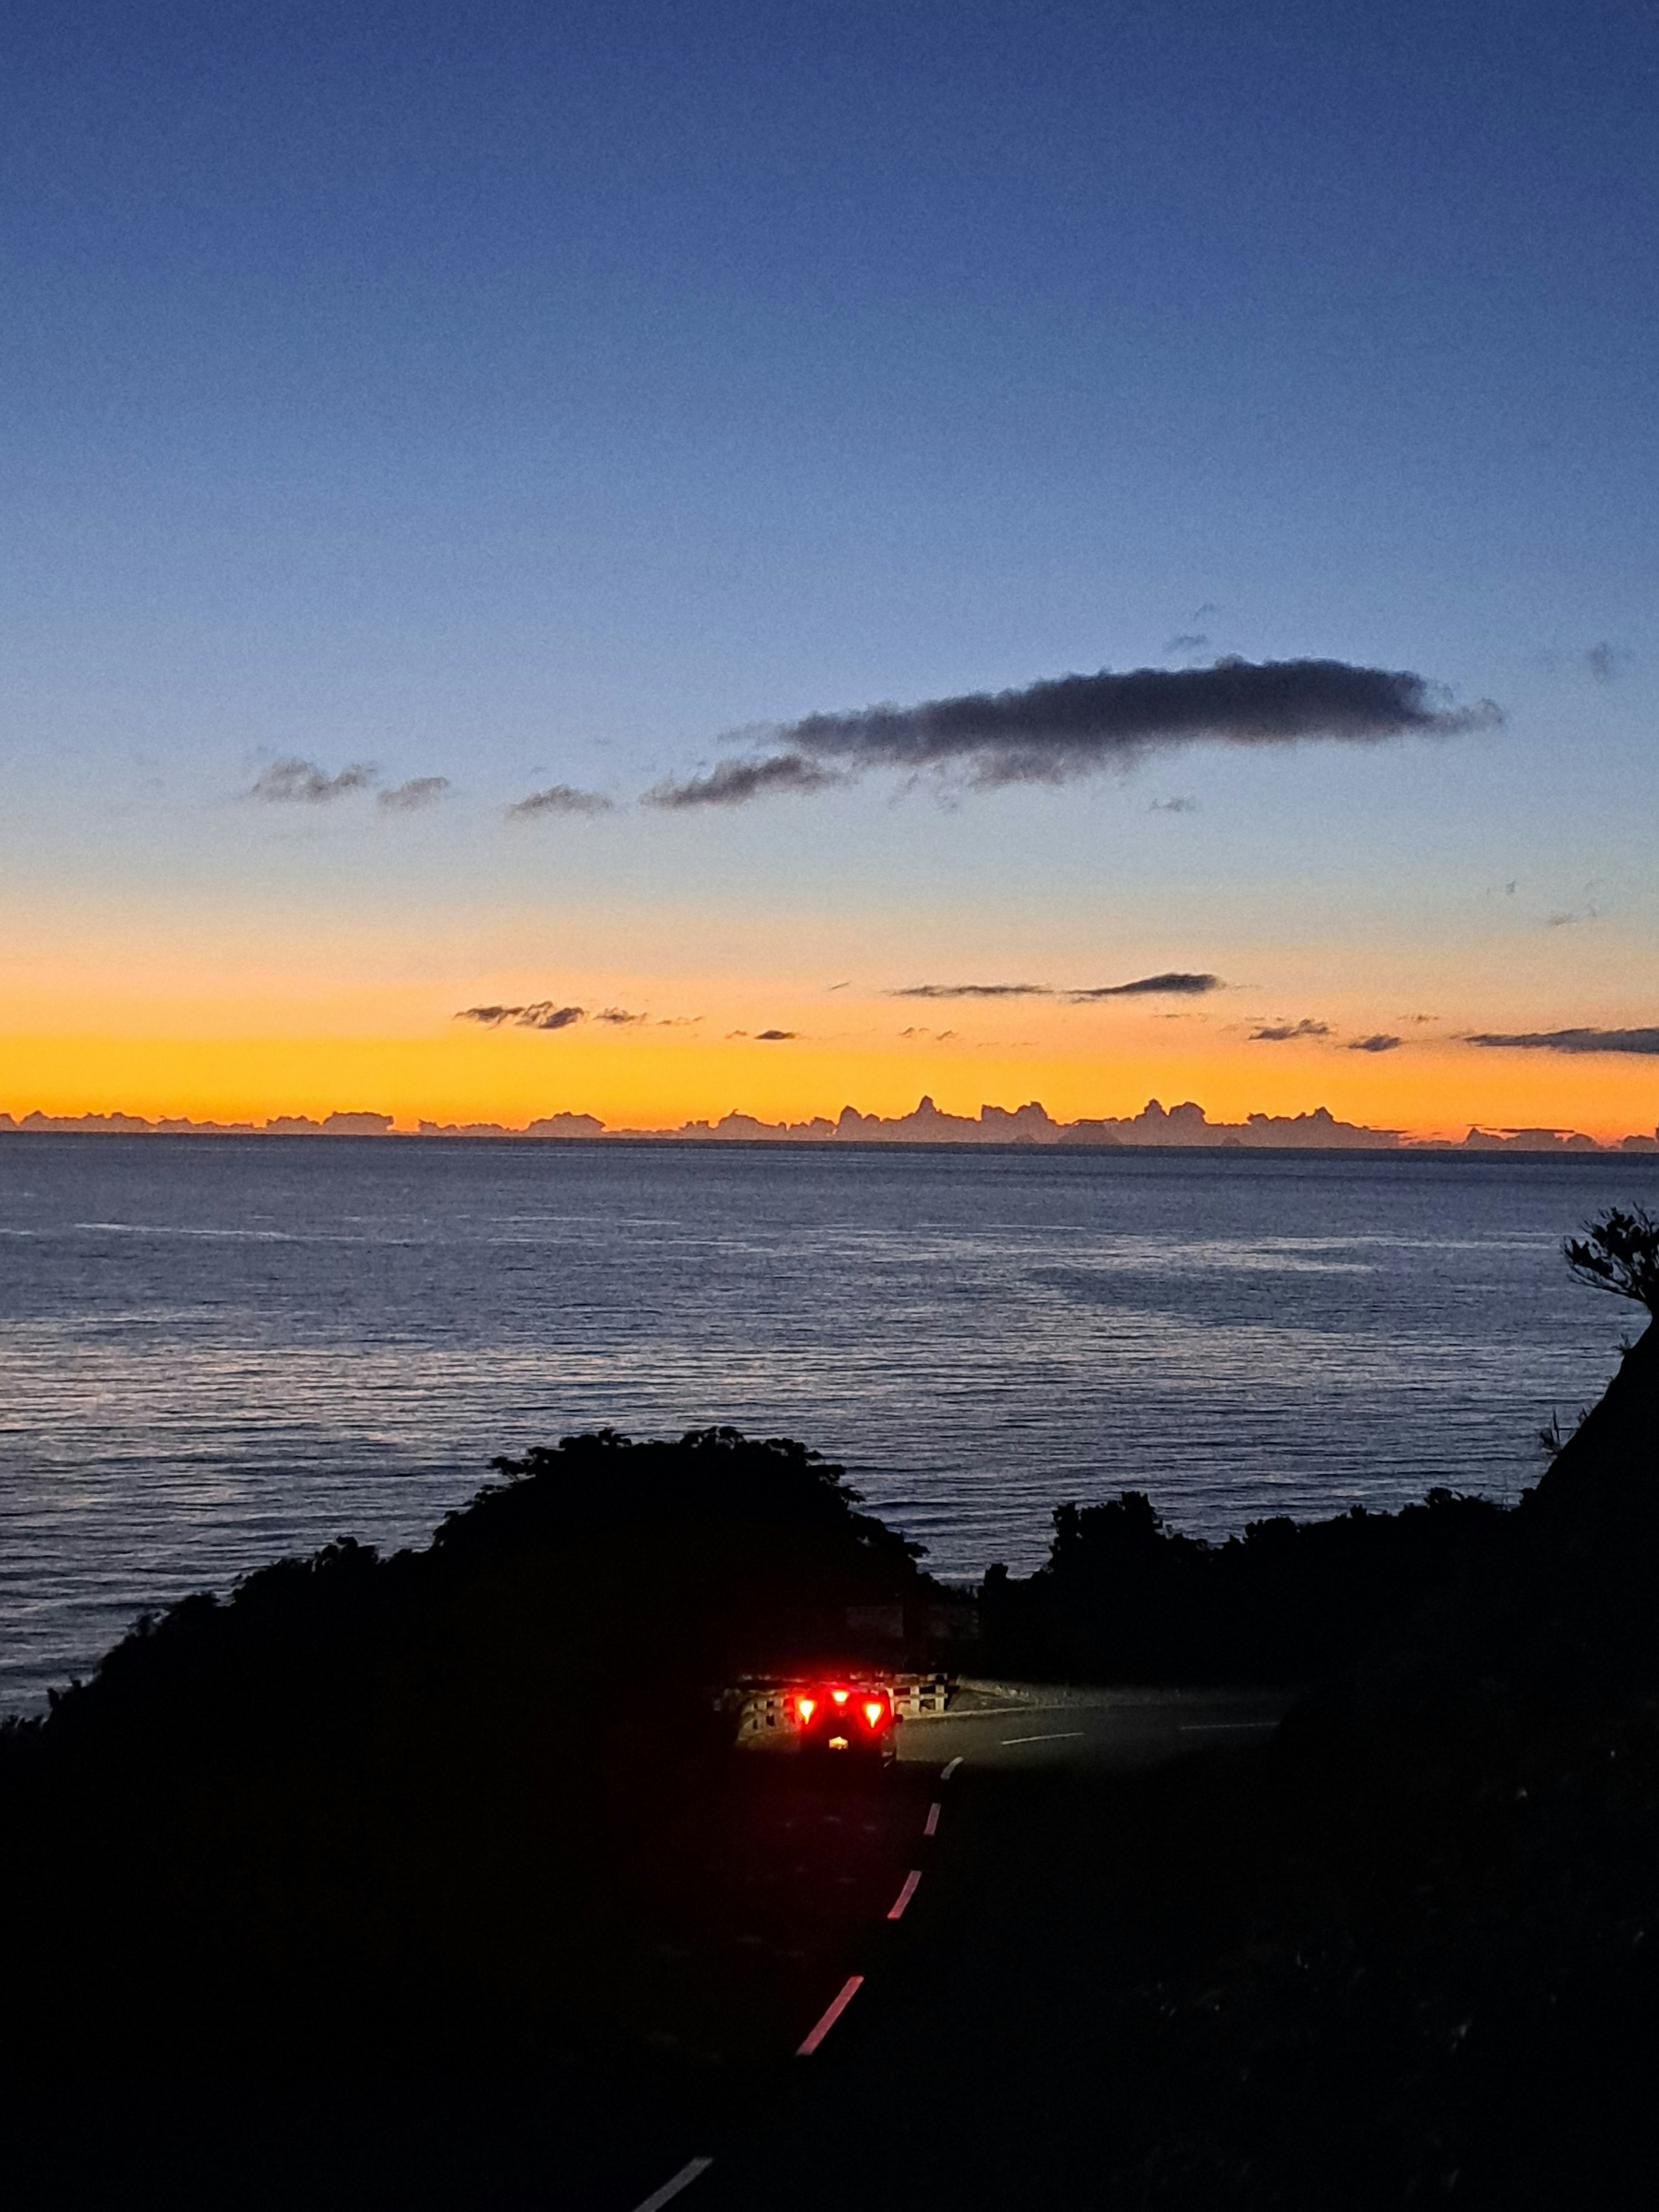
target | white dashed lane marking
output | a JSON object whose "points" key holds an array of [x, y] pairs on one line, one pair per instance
{"points": [[1056, 1736], [672, 2188], [849, 1989], [905, 1894], [951, 1768], [930, 1826]]}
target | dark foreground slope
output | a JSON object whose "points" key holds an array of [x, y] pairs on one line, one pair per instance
{"points": [[383, 1828], [1442, 1982]]}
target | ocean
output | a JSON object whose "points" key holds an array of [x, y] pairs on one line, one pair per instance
{"points": [[217, 1351]]}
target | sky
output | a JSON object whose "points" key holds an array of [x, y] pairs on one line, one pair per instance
{"points": [[466, 473]]}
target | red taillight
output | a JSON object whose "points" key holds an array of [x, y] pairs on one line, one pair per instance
{"points": [[873, 1712], [804, 1708], [839, 1696]]}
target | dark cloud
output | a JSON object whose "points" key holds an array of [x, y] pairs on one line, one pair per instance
{"points": [[1605, 661], [1284, 1032], [295, 782], [1173, 807], [558, 798], [974, 991], [1070, 726], [775, 1036], [734, 782], [1175, 983], [618, 1017], [409, 798], [1381, 1043], [543, 1014], [1645, 1041], [1191, 640]]}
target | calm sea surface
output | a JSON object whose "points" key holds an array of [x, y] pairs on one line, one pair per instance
{"points": [[216, 1351]]}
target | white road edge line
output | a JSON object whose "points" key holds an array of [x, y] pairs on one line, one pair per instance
{"points": [[951, 1768], [671, 2189], [930, 1826], [905, 1894], [1057, 1736], [849, 1989]]}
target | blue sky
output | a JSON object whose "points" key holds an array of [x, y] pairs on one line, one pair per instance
{"points": [[521, 395]]}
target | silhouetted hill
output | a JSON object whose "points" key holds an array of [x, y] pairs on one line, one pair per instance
{"points": [[377, 1803]]}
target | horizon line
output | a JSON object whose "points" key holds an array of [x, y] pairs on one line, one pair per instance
{"points": [[1184, 1126]]}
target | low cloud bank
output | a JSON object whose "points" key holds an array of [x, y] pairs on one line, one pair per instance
{"points": [[1287, 1032], [1066, 726], [1185, 1126]]}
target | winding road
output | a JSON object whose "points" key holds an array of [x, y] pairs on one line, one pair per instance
{"points": [[953, 2060]]}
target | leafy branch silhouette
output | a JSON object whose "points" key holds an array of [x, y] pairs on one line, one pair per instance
{"points": [[1619, 1253]]}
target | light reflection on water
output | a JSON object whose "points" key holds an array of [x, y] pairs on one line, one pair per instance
{"points": [[216, 1351]]}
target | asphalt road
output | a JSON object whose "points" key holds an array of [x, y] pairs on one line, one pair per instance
{"points": [[1013, 1729], [954, 2054]]}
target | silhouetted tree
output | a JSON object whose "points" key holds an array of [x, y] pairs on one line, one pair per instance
{"points": [[1619, 1252]]}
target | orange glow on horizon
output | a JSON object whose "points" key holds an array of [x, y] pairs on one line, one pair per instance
{"points": [[653, 1081]]}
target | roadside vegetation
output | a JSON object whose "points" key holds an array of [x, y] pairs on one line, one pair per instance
{"points": [[1124, 1599]]}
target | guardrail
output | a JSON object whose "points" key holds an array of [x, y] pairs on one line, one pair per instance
{"points": [[771, 1710]]}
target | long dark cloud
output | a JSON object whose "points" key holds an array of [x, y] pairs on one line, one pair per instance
{"points": [[558, 798], [1381, 1042], [1173, 983], [1286, 1032], [733, 781], [1645, 1041], [975, 991], [294, 782], [1071, 725], [542, 1014]]}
